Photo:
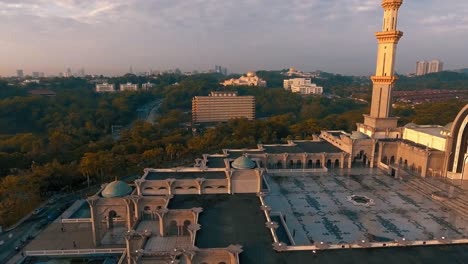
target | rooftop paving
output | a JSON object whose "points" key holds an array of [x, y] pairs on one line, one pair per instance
{"points": [[236, 219], [186, 175], [320, 205]]}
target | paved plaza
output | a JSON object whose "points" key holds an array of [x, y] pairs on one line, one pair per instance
{"points": [[318, 210]]}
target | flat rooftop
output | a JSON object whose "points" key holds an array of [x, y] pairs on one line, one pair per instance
{"points": [[179, 175], [302, 147], [53, 238], [236, 154], [216, 162], [430, 130], [320, 208], [231, 219], [237, 219]]}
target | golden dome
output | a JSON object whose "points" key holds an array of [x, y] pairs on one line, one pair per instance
{"points": [[251, 74]]}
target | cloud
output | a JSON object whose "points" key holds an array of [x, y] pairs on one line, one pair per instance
{"points": [[220, 30]]}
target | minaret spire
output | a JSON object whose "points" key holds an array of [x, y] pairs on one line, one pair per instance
{"points": [[379, 119]]}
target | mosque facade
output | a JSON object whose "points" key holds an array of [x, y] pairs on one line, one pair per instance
{"points": [[174, 215]]}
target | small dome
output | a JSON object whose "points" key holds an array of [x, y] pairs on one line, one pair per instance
{"points": [[410, 125], [243, 163], [251, 74], [116, 189], [358, 135], [292, 69]]}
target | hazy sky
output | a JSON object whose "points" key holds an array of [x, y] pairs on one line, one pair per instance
{"points": [[109, 36]]}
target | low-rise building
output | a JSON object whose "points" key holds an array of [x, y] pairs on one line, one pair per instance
{"points": [[251, 79], [129, 87], [302, 86], [147, 86], [105, 88], [222, 106]]}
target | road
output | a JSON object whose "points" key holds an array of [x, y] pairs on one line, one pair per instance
{"points": [[18, 237], [148, 113], [34, 224]]}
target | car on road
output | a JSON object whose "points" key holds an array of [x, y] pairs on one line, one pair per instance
{"points": [[38, 210], [42, 224], [53, 200]]}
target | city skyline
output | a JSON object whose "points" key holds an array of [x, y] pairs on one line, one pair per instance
{"points": [[105, 37]]}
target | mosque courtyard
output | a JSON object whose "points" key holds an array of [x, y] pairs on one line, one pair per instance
{"points": [[320, 208]]}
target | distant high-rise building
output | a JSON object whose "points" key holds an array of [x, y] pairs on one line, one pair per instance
{"points": [[68, 73], [422, 67], [81, 73], [19, 73], [222, 106], [35, 75], [435, 66], [130, 70], [220, 69]]}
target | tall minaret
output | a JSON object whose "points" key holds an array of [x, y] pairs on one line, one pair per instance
{"points": [[379, 124]]}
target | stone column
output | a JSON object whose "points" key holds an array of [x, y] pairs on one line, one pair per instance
{"points": [[285, 160], [304, 160], [135, 199], [342, 159], [128, 237], [426, 163], [139, 183], [372, 157], [169, 183], [193, 228], [200, 184], [379, 157], [128, 203], [161, 212], [259, 173], [95, 222], [234, 251], [229, 179], [267, 162]]}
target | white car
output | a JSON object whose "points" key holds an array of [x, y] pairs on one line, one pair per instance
{"points": [[38, 210]]}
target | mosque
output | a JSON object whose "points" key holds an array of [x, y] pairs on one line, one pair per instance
{"points": [[218, 211], [250, 79]]}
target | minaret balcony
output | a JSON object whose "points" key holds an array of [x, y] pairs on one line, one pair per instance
{"points": [[384, 79], [392, 4], [389, 36]]}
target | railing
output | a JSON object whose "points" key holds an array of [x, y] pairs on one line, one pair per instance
{"points": [[69, 252], [275, 171], [123, 258], [76, 220], [402, 243]]}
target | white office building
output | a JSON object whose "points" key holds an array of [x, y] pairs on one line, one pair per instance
{"points": [[302, 86], [105, 88], [129, 87], [147, 86]]}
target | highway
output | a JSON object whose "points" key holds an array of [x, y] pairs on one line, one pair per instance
{"points": [[34, 224]]}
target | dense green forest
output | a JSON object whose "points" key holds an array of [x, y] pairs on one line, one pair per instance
{"points": [[48, 144]]}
